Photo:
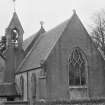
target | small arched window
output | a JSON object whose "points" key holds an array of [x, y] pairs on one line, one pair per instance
{"points": [[33, 82], [77, 68], [22, 85]]}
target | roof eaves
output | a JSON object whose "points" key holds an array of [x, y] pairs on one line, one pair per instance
{"points": [[28, 70]]}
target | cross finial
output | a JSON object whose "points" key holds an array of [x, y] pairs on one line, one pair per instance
{"points": [[14, 5]]}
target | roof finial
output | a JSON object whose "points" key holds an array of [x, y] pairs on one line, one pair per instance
{"points": [[41, 23], [42, 30], [14, 5], [74, 11]]}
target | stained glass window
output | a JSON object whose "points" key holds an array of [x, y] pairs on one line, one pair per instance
{"points": [[77, 68]]}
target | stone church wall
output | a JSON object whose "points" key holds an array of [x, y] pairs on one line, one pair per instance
{"points": [[57, 65], [17, 79], [28, 85]]}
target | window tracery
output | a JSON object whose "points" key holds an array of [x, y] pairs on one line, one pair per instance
{"points": [[77, 68]]}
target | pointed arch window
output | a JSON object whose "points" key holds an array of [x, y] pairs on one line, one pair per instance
{"points": [[15, 34], [77, 68], [33, 82], [22, 85]]}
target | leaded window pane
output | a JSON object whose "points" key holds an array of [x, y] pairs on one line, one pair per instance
{"points": [[77, 68]]}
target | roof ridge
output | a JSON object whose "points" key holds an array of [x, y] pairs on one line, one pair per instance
{"points": [[69, 21]]}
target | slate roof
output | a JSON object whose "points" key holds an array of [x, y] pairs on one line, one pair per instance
{"points": [[8, 90], [43, 47], [28, 41], [32, 39]]}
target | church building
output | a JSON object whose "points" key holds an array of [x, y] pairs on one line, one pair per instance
{"points": [[60, 64]]}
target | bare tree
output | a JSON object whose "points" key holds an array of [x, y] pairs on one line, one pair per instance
{"points": [[98, 30]]}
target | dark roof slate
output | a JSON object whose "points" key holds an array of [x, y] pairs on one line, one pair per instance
{"points": [[29, 41], [42, 48]]}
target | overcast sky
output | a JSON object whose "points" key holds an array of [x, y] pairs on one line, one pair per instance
{"points": [[52, 12]]}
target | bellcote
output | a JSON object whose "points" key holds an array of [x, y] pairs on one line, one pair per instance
{"points": [[14, 32]]}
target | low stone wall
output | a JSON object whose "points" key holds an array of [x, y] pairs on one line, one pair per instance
{"points": [[16, 103], [98, 101], [95, 101]]}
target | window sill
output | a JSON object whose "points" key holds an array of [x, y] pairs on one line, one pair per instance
{"points": [[77, 87], [42, 77]]}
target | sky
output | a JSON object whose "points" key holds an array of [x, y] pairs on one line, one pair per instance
{"points": [[51, 12]]}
